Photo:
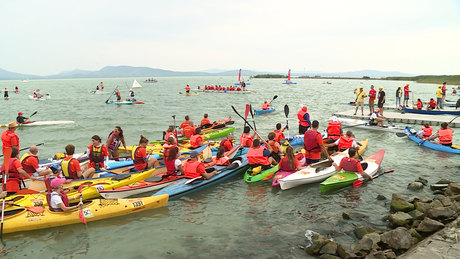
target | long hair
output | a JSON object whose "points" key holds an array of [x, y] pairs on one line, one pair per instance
{"points": [[290, 156], [172, 153], [120, 130], [143, 140], [220, 152]]}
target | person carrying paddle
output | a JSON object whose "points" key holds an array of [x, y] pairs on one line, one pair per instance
{"points": [[16, 173], [196, 140], [227, 143], [114, 141], [70, 166], [406, 96], [118, 94], [173, 163], [313, 145], [141, 159], [351, 164], [377, 119], [9, 137], [360, 95], [57, 198], [304, 119], [21, 119], [194, 168], [205, 122], [30, 163], [372, 95], [344, 142], [279, 135], [184, 123], [289, 163], [444, 134], [246, 139], [265, 105], [131, 95]]}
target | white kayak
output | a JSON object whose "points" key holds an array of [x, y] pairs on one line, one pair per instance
{"points": [[43, 98], [40, 123], [365, 125]]}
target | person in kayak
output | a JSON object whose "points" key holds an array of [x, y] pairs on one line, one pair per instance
{"points": [[351, 164], [277, 150], [377, 118], [289, 163], [304, 119], [259, 155], [381, 100], [196, 140], [30, 163], [170, 143], [115, 140], [406, 96], [265, 105], [444, 134], [118, 94], [221, 158], [57, 198], [426, 132], [360, 95], [205, 122], [9, 137], [418, 106], [246, 139], [344, 142], [189, 130], [170, 132], [16, 173], [97, 153], [187, 89], [431, 105], [279, 135], [372, 95], [313, 145], [227, 143], [70, 166], [141, 158], [334, 131], [172, 162], [21, 119], [194, 168], [184, 123]]}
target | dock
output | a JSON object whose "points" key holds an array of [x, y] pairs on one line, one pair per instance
{"points": [[406, 118]]}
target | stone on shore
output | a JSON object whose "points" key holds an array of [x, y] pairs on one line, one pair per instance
{"points": [[361, 231], [416, 215], [345, 252], [415, 186], [397, 239], [328, 256], [363, 247], [453, 189], [421, 198], [398, 203], [429, 226], [329, 248], [317, 242]]}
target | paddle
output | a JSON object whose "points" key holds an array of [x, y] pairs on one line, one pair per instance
{"points": [[80, 212], [359, 183], [274, 97], [6, 163], [175, 128], [246, 122], [252, 115], [111, 94], [36, 210], [246, 113], [22, 149], [401, 134], [286, 113], [32, 115]]}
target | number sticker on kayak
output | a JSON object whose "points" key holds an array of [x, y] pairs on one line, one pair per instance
{"points": [[99, 187], [137, 204], [87, 213], [303, 172]]}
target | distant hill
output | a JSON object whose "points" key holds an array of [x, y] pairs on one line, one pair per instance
{"points": [[128, 71]]}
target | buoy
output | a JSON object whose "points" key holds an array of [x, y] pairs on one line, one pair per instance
{"points": [[389, 171]]}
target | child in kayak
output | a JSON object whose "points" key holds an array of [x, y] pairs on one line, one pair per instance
{"points": [[289, 163], [351, 164], [57, 199]]}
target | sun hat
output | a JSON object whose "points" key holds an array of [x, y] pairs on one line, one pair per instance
{"points": [[12, 124], [56, 182], [334, 118], [380, 87], [439, 86], [193, 153], [20, 113]]}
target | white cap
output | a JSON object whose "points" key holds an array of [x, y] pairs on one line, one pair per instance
{"points": [[334, 118]]}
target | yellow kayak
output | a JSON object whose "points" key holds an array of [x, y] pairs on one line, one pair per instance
{"points": [[89, 191], [23, 219]]}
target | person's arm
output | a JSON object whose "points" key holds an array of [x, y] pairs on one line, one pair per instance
{"points": [[336, 143], [65, 209], [124, 144], [436, 135], [337, 167], [361, 171], [307, 118]]}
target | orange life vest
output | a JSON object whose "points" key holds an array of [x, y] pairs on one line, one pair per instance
{"points": [[221, 161], [195, 140], [244, 140], [190, 169], [256, 156], [419, 105], [427, 131], [188, 131], [345, 142], [300, 115], [333, 130], [187, 88], [272, 143], [265, 106], [445, 136], [279, 135]]}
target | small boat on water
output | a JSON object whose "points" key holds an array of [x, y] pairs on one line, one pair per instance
{"points": [[150, 80], [39, 123], [288, 81], [433, 112], [136, 84], [42, 98], [411, 134], [119, 103], [269, 110]]}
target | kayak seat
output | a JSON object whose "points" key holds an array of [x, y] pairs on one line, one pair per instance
{"points": [[364, 165], [120, 177], [154, 179]]}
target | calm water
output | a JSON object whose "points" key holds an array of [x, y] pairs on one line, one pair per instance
{"points": [[231, 219]]}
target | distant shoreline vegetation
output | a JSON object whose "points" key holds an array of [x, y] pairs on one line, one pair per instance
{"points": [[424, 79]]}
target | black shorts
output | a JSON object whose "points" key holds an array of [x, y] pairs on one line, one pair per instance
{"points": [[275, 156], [447, 145], [380, 105], [303, 129]]}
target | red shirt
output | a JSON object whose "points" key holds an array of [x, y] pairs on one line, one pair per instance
{"points": [[141, 152], [183, 124], [372, 94], [406, 90], [188, 131], [205, 121], [313, 154], [74, 166], [105, 153], [9, 139], [228, 145], [31, 162]]}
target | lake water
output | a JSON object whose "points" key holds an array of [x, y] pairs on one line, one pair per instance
{"points": [[232, 219]]}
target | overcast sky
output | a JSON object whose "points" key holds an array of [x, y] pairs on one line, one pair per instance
{"points": [[48, 37]]}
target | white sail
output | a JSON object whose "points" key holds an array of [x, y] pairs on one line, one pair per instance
{"points": [[136, 84]]}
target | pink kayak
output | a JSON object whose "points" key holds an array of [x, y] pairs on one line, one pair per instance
{"points": [[280, 175]]}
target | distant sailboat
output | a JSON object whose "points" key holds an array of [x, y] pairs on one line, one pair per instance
{"points": [[136, 84], [288, 82], [241, 79]]}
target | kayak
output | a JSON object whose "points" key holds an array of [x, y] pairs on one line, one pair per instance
{"points": [[360, 124], [433, 112], [23, 220], [221, 133], [39, 123], [120, 103], [153, 183], [90, 190], [185, 185], [187, 94], [315, 172], [344, 178], [297, 140], [289, 83], [224, 91], [263, 175], [43, 98], [411, 135], [270, 109]]}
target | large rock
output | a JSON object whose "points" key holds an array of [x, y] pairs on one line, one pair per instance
{"points": [[415, 234], [375, 237], [397, 239], [330, 248], [436, 204], [398, 203], [421, 198], [400, 219], [429, 225], [440, 213], [444, 181], [328, 256], [364, 247], [416, 215], [422, 206], [452, 189], [317, 242], [415, 186], [455, 197], [345, 252], [446, 202]]}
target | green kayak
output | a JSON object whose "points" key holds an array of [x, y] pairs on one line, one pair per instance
{"points": [[338, 180], [264, 175], [221, 133]]}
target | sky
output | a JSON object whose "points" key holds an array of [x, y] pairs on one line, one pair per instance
{"points": [[48, 37]]}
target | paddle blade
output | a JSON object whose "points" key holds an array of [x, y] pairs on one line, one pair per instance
{"points": [[81, 187], [246, 112], [286, 110], [358, 183], [33, 114], [274, 97], [81, 216], [36, 210], [250, 110], [26, 191], [229, 123]]}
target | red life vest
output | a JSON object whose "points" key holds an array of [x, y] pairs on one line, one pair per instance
{"points": [[345, 142], [256, 156], [187, 88], [168, 134], [284, 165], [432, 104], [221, 161], [419, 105], [246, 140], [427, 131], [309, 141], [137, 159], [445, 136], [166, 148], [190, 169], [13, 181], [333, 130], [195, 140], [6, 138], [279, 135], [64, 198], [170, 165], [265, 106], [238, 88], [272, 143], [349, 164], [222, 144], [300, 115], [28, 168]]}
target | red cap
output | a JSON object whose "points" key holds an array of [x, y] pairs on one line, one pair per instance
{"points": [[19, 113]]}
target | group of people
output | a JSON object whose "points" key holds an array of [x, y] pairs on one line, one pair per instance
{"points": [[373, 95], [433, 104], [221, 88]]}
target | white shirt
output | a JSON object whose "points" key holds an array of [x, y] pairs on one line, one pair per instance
{"points": [[55, 200], [354, 144], [177, 163], [374, 116]]}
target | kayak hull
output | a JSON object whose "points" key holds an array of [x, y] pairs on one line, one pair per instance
{"points": [[434, 112], [360, 124], [429, 144], [269, 110], [263, 175], [211, 135]]}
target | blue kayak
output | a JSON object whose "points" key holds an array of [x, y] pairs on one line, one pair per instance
{"points": [[289, 83], [185, 185], [411, 135], [433, 112], [297, 140], [270, 109]]}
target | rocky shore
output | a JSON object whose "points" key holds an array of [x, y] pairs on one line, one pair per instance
{"points": [[421, 227]]}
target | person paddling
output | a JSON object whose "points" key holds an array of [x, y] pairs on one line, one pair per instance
{"points": [[334, 131], [444, 134], [426, 132], [351, 164], [57, 198], [279, 135], [265, 105], [21, 119], [246, 139]]}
